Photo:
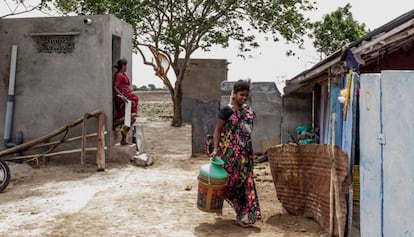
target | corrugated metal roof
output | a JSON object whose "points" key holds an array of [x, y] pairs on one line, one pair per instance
{"points": [[320, 68]]}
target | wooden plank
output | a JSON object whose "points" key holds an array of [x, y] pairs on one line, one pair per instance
{"points": [[66, 140], [364, 48], [333, 173], [52, 154], [334, 180], [331, 205], [100, 152], [46, 137]]}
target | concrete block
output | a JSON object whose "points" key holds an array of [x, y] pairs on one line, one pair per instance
{"points": [[124, 154], [203, 123]]}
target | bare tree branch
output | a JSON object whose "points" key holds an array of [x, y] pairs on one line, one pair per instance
{"points": [[14, 11], [158, 68]]}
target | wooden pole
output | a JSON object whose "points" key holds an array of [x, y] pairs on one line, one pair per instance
{"points": [[331, 188], [338, 210], [334, 180], [52, 154], [313, 110], [331, 205], [100, 151], [66, 140], [83, 144], [46, 137]]}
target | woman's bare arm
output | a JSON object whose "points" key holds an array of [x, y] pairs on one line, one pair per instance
{"points": [[217, 134]]}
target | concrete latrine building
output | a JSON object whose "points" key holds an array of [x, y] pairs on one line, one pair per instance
{"points": [[63, 69]]}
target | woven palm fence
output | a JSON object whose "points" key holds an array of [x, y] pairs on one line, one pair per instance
{"points": [[302, 178]]}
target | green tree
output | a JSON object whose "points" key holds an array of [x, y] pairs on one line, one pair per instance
{"points": [[134, 87], [336, 28], [151, 87], [143, 88], [174, 29]]}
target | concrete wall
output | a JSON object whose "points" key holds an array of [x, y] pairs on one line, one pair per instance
{"points": [[55, 88], [266, 102], [201, 97], [203, 123], [201, 83], [297, 111]]}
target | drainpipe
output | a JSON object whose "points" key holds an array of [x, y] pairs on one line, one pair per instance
{"points": [[10, 99]]}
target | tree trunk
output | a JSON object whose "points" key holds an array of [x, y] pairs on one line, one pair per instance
{"points": [[177, 99]]}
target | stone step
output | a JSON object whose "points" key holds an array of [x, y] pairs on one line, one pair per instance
{"points": [[125, 153]]}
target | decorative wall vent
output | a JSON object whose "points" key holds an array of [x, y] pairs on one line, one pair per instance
{"points": [[55, 42]]}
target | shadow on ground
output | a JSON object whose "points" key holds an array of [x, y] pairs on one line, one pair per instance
{"points": [[291, 223], [224, 227]]}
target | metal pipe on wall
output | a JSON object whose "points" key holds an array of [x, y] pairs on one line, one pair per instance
{"points": [[10, 98]]}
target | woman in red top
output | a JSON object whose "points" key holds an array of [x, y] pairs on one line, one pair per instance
{"points": [[123, 92]]}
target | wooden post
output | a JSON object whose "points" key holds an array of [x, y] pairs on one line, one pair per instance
{"points": [[331, 188], [100, 146], [83, 139], [331, 205], [334, 180], [313, 110], [337, 205]]}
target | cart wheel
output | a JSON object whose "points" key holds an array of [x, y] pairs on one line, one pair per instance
{"points": [[4, 175]]}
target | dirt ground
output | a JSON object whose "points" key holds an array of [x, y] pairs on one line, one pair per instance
{"points": [[70, 199]]}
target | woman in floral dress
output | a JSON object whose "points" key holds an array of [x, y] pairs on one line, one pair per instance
{"points": [[234, 134]]}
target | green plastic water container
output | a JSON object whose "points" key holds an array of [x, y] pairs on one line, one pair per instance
{"points": [[214, 169], [212, 180]]}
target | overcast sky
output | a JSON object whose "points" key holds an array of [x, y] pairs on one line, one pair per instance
{"points": [[269, 62]]}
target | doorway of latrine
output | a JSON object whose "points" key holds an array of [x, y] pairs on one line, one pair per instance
{"points": [[116, 55]]}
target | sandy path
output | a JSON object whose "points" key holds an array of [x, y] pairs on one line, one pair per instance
{"points": [[74, 200]]}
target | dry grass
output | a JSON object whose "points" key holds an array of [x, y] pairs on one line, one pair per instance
{"points": [[155, 104]]}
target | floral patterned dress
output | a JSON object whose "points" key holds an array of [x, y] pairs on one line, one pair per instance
{"points": [[238, 161]]}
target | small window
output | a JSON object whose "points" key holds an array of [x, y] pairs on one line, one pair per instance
{"points": [[55, 42]]}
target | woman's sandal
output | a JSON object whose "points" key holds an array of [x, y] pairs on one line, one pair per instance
{"points": [[242, 224]]}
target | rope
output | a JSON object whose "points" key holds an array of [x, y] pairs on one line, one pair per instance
{"points": [[36, 158]]}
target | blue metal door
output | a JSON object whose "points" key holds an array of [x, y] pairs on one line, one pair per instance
{"points": [[387, 154]]}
